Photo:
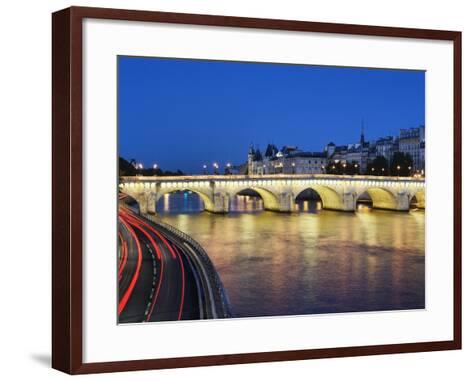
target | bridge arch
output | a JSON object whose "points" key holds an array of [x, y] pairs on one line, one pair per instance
{"points": [[381, 198], [418, 198], [209, 205], [270, 200], [127, 197], [331, 199], [146, 199]]}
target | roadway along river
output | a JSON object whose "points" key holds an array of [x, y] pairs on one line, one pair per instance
{"points": [[308, 262]]}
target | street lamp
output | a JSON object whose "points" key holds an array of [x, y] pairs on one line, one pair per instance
{"points": [[398, 168], [344, 165], [228, 168], [215, 165], [409, 167], [155, 168], [382, 170], [138, 167], [293, 167]]}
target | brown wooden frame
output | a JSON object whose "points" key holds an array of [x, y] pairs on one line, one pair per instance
{"points": [[67, 188]]}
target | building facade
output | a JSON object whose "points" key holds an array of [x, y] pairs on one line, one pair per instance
{"points": [[357, 154], [412, 142], [288, 160], [387, 146], [292, 160]]}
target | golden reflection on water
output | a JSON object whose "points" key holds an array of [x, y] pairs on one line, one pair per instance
{"points": [[311, 261], [166, 202]]}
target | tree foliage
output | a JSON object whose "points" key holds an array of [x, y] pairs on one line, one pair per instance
{"points": [[129, 168], [126, 168], [401, 164], [339, 168], [378, 167]]}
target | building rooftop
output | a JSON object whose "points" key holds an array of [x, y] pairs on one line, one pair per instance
{"points": [[306, 154]]}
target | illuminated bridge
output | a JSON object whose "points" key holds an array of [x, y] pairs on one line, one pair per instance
{"points": [[279, 192]]}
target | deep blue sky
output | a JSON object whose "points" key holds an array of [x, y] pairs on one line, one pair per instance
{"points": [[184, 113]]}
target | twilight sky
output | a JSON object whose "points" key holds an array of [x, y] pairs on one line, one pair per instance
{"points": [[182, 113]]}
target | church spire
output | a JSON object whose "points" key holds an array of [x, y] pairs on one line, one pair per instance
{"points": [[362, 136]]}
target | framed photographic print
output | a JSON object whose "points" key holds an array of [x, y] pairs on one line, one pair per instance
{"points": [[230, 190]]}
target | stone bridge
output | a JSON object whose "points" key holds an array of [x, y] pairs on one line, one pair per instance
{"points": [[279, 192]]}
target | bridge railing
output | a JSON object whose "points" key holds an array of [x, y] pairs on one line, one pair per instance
{"points": [[267, 177]]}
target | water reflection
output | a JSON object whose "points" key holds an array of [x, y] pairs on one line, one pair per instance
{"points": [[242, 203], [180, 202], [312, 261]]}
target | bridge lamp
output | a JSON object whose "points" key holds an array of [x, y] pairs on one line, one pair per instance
{"points": [[155, 166], [229, 165]]}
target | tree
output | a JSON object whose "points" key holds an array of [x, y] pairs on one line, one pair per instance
{"points": [[126, 168], [378, 167], [401, 164], [352, 169], [339, 168], [334, 168], [129, 168], [152, 172]]}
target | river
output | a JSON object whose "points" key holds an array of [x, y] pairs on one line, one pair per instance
{"points": [[308, 262]]}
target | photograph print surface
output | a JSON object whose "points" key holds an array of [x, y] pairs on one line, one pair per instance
{"points": [[253, 189]]}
